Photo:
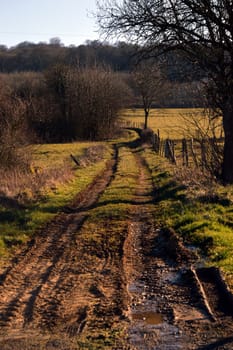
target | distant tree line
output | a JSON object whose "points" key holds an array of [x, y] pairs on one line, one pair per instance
{"points": [[121, 56], [28, 56], [184, 77]]}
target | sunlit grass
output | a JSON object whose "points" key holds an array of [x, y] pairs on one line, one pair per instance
{"points": [[18, 222], [104, 233], [204, 220], [116, 201], [174, 123], [52, 155]]}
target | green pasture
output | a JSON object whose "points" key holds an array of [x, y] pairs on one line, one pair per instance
{"points": [[175, 123], [46, 156]]}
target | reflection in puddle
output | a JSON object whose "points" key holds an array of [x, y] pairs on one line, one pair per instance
{"points": [[149, 317]]}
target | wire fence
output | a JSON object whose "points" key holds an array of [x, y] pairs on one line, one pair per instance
{"points": [[203, 153]]}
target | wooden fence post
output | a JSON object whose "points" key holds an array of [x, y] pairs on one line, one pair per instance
{"points": [[193, 153], [185, 156], [203, 154], [170, 151], [173, 152], [156, 143]]}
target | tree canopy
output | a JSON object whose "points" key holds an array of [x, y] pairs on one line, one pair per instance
{"points": [[201, 29]]}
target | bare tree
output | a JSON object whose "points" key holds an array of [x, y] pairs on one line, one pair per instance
{"points": [[86, 101], [201, 29], [149, 81], [97, 95], [13, 129]]}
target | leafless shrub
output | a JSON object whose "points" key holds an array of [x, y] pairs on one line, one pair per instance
{"points": [[91, 155], [196, 183], [86, 101], [206, 128], [13, 130], [29, 186]]}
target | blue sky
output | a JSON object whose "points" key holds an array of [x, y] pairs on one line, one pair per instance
{"points": [[41, 20]]}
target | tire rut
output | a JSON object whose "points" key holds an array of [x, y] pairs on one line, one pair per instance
{"points": [[36, 289], [167, 308], [65, 282]]}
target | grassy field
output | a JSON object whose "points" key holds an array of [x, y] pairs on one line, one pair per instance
{"points": [[29, 199], [174, 123]]}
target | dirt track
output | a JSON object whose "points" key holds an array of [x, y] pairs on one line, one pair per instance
{"points": [[61, 283]]}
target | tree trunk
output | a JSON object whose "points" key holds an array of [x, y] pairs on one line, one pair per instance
{"points": [[227, 166], [146, 118]]}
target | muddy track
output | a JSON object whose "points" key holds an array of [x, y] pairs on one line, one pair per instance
{"points": [[41, 286], [173, 305], [150, 285]]}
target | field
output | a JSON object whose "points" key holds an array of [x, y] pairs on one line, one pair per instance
{"points": [[30, 198], [174, 123]]}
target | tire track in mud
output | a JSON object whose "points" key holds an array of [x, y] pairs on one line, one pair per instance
{"points": [[42, 286], [147, 329], [167, 308], [63, 282]]}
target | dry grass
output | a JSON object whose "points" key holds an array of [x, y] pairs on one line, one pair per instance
{"points": [[50, 166], [39, 342], [30, 197], [174, 123], [26, 186]]}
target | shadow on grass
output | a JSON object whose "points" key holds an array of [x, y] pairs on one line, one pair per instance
{"points": [[99, 205], [215, 199], [217, 344], [170, 190], [13, 216], [10, 203]]}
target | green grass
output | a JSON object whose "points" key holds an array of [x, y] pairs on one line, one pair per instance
{"points": [[54, 180], [203, 219], [54, 155], [18, 223], [112, 210], [103, 340], [104, 233]]}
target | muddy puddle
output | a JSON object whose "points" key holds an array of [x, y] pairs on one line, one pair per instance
{"points": [[148, 317], [149, 328]]}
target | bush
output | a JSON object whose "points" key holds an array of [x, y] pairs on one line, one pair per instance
{"points": [[13, 129], [87, 101]]}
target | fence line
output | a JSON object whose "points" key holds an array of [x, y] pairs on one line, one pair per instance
{"points": [[205, 153]]}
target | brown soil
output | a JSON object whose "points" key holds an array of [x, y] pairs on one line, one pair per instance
{"points": [[61, 286]]}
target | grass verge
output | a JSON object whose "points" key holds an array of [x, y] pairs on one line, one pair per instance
{"points": [[199, 210], [30, 199]]}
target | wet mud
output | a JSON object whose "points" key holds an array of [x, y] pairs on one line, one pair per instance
{"points": [[152, 288]]}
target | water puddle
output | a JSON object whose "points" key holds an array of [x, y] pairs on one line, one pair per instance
{"points": [[149, 317]]}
